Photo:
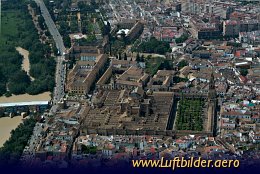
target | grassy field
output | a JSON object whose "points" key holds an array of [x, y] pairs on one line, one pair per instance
{"points": [[153, 64], [10, 27]]}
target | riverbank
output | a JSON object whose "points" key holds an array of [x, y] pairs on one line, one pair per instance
{"points": [[26, 98], [7, 124]]}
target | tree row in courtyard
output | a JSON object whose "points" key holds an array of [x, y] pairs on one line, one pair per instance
{"points": [[189, 115]]}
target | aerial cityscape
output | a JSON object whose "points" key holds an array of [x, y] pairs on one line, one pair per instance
{"points": [[93, 83]]}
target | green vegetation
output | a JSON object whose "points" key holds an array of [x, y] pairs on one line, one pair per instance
{"points": [[243, 72], [153, 46], [19, 30], [64, 28], [182, 64], [90, 39], [105, 28], [88, 7], [19, 82], [189, 115], [139, 58], [206, 20], [243, 2], [179, 79], [89, 149], [74, 26], [67, 21], [2, 83], [153, 64], [117, 46], [182, 39], [12, 150], [41, 22], [67, 42], [234, 44]]}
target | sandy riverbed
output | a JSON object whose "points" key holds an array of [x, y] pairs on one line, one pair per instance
{"points": [[26, 63], [7, 124], [26, 98]]}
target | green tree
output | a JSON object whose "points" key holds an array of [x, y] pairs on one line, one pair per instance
{"points": [[12, 149], [64, 28], [41, 22], [182, 39], [142, 58], [2, 83], [243, 72], [18, 82], [166, 65], [182, 64], [154, 46], [67, 41], [161, 49], [125, 56], [23, 33], [138, 58]]}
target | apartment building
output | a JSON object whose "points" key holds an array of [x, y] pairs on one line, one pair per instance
{"points": [[192, 6], [208, 7], [202, 30], [232, 28], [252, 37]]}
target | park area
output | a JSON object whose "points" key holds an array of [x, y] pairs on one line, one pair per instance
{"points": [[25, 63], [9, 27], [153, 64], [190, 114]]}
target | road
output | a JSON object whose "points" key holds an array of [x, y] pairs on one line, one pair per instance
{"points": [[60, 69], [29, 151], [51, 26]]}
